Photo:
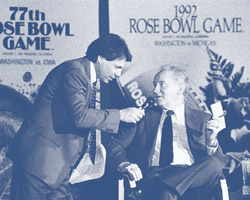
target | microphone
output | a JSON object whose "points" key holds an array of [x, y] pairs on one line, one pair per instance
{"points": [[148, 103]]}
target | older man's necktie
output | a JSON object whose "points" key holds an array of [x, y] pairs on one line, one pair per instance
{"points": [[166, 152]]}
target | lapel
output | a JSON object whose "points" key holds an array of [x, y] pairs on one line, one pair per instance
{"points": [[86, 67], [152, 123], [195, 126], [195, 119], [192, 119]]}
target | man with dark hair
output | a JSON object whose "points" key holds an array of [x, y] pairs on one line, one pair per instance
{"points": [[53, 139], [110, 47], [174, 148]]}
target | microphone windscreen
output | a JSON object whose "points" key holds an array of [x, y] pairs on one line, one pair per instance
{"points": [[148, 103]]}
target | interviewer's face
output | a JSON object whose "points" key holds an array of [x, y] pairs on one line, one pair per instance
{"points": [[168, 91], [107, 70]]}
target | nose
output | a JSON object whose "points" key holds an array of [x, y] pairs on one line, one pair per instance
{"points": [[156, 89], [118, 72]]}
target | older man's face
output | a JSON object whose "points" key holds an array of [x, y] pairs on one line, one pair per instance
{"points": [[168, 91]]}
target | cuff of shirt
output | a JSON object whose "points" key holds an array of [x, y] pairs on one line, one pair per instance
{"points": [[122, 166], [212, 149]]}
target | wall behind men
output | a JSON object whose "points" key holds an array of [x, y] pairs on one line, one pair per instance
{"points": [[178, 33]]}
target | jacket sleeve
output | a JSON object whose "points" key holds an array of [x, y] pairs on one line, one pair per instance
{"points": [[77, 90], [117, 148]]}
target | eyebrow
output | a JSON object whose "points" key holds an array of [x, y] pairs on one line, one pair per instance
{"points": [[154, 82], [118, 67]]}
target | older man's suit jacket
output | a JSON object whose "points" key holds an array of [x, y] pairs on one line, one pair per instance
{"points": [[136, 143], [53, 137]]}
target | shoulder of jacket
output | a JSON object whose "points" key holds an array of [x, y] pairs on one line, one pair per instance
{"points": [[75, 63], [153, 109]]}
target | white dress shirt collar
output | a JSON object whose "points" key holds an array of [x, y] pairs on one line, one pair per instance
{"points": [[178, 113], [92, 73]]}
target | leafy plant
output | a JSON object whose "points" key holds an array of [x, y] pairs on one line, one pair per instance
{"points": [[223, 69]]}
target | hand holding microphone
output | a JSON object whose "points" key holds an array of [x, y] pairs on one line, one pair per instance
{"points": [[133, 114]]}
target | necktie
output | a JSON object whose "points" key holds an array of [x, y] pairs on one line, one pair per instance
{"points": [[92, 136], [166, 152]]}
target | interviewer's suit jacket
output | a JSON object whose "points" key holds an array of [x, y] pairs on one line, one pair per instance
{"points": [[136, 143], [54, 136]]}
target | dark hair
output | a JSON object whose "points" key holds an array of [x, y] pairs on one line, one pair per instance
{"points": [[110, 46]]}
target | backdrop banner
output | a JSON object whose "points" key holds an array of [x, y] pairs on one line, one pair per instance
{"points": [[35, 36], [180, 33]]}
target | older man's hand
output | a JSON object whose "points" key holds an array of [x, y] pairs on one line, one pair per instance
{"points": [[212, 130], [131, 170]]}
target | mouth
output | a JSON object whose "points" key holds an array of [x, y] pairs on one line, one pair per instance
{"points": [[109, 79], [158, 97]]}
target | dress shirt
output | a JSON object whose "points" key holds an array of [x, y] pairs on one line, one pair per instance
{"points": [[92, 73], [182, 154]]}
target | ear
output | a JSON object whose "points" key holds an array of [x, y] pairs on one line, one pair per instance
{"points": [[100, 59], [182, 90]]}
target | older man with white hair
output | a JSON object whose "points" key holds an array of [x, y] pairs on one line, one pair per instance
{"points": [[174, 148]]}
